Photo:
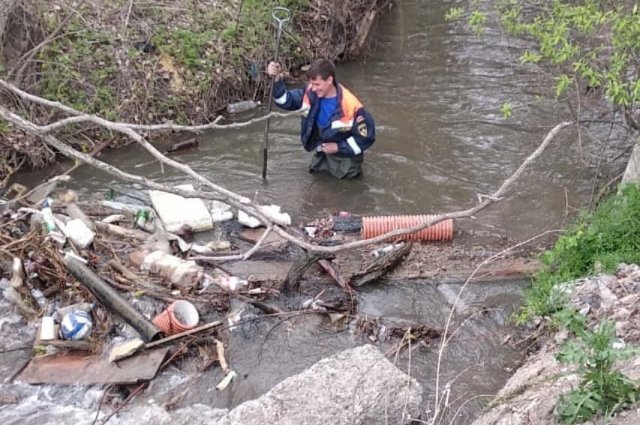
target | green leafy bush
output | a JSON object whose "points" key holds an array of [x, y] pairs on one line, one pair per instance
{"points": [[602, 390], [584, 43], [601, 240]]}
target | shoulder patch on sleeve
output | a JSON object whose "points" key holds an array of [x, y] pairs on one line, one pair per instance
{"points": [[362, 129]]}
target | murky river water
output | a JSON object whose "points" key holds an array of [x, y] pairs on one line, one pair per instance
{"points": [[436, 93]]}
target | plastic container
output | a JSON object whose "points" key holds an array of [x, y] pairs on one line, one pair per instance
{"points": [[180, 316], [242, 106], [79, 233], [47, 328], [76, 325]]}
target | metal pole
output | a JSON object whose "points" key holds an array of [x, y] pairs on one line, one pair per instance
{"points": [[281, 15]]}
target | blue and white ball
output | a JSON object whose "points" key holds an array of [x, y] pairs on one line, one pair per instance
{"points": [[76, 325]]}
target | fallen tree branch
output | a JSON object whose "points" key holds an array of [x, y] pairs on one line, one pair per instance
{"points": [[80, 117], [225, 195]]}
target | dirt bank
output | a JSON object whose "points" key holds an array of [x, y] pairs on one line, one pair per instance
{"points": [[155, 62]]}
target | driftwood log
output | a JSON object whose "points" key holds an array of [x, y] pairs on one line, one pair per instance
{"points": [[380, 266], [292, 281]]}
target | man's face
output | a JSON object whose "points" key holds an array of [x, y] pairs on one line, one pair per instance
{"points": [[321, 87]]}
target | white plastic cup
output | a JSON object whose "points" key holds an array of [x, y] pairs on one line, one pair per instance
{"points": [[186, 313], [180, 316], [47, 328]]}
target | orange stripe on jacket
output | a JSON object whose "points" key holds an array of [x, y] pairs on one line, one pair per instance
{"points": [[349, 104]]}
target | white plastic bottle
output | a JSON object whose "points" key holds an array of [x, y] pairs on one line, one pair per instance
{"points": [[245, 105]]}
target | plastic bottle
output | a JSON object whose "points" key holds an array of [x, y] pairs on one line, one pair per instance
{"points": [[187, 144], [387, 249], [39, 297], [245, 105], [47, 216], [142, 216]]}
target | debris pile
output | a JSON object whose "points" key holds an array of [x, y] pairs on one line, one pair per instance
{"points": [[117, 291]]}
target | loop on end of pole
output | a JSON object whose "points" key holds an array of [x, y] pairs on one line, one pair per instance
{"points": [[281, 15]]}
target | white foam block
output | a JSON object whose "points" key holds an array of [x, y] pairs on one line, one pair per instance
{"points": [[176, 211]]}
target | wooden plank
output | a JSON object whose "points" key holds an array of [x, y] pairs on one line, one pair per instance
{"points": [[273, 241], [73, 369], [259, 271]]}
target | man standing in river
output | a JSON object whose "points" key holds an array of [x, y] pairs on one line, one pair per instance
{"points": [[335, 125]]}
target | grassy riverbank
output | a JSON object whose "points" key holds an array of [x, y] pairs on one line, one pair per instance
{"points": [[596, 242], [152, 62], [599, 336]]}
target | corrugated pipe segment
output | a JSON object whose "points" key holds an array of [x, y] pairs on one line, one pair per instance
{"points": [[376, 226]]}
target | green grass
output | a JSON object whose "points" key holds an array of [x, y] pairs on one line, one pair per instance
{"points": [[597, 241], [602, 389]]}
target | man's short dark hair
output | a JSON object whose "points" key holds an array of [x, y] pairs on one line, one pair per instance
{"points": [[321, 68]]}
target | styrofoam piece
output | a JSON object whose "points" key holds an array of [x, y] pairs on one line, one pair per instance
{"points": [[218, 206], [47, 328], [220, 216], [247, 220], [185, 246], [271, 211], [175, 211], [79, 233], [220, 211]]}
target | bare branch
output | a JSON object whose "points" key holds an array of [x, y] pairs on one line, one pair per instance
{"points": [[228, 196], [169, 126], [28, 56], [242, 257], [81, 117]]}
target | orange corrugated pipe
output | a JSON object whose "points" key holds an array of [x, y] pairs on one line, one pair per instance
{"points": [[376, 226]]}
